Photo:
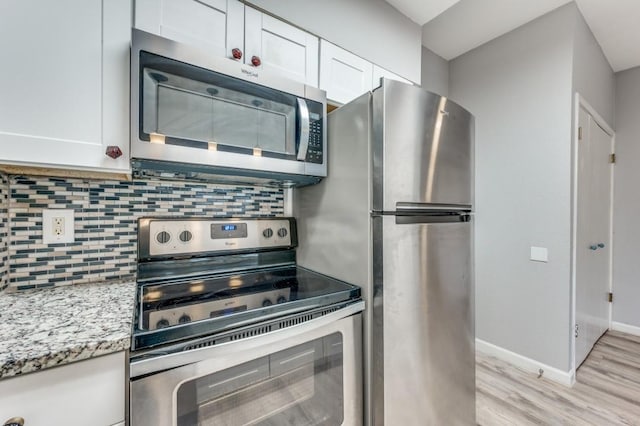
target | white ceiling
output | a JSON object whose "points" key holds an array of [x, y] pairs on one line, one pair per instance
{"points": [[616, 26], [455, 27], [423, 11], [471, 23]]}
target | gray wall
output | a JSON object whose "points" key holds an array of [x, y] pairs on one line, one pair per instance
{"points": [[519, 87], [435, 72], [357, 26], [593, 77], [626, 228]]}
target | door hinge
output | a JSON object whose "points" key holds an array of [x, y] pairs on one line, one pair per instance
{"points": [[580, 133], [612, 158], [577, 330], [610, 297]]}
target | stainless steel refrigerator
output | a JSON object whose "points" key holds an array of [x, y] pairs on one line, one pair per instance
{"points": [[394, 216]]}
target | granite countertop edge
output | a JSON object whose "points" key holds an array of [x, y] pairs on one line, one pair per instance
{"points": [[12, 368], [46, 328]]}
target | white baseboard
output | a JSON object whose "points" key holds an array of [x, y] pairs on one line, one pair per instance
{"points": [[566, 378], [625, 328]]}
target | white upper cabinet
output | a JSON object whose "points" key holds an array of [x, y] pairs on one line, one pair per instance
{"points": [[216, 26], [64, 83], [343, 75], [220, 26], [379, 73], [280, 47]]}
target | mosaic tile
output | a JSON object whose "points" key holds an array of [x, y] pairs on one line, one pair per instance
{"points": [[4, 232], [105, 227]]}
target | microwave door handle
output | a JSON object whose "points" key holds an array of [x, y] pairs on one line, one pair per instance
{"points": [[304, 129]]}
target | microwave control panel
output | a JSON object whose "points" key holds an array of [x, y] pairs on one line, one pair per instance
{"points": [[315, 152]]}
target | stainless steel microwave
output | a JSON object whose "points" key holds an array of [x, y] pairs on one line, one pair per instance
{"points": [[195, 115]]}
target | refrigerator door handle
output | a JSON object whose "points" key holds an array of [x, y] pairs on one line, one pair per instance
{"points": [[433, 218], [413, 208]]}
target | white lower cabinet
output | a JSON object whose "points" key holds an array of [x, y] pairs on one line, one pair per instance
{"points": [[90, 392]]}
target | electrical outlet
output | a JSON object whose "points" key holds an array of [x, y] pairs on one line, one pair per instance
{"points": [[57, 226]]}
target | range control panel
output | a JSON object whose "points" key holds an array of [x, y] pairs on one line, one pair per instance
{"points": [[176, 237]]}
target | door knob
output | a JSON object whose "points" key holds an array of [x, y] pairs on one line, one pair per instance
{"points": [[601, 245], [255, 61], [593, 247]]}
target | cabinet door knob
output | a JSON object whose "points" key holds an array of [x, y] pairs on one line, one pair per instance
{"points": [[601, 245], [236, 53], [255, 61], [14, 421], [114, 151], [593, 247]]}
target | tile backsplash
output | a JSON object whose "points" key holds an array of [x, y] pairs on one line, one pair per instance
{"points": [[106, 215], [4, 232]]}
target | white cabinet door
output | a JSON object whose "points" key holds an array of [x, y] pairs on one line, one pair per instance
{"points": [[90, 392], [343, 75], [64, 94], [281, 48], [216, 26], [379, 73]]}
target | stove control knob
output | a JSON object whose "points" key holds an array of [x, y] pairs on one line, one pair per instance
{"points": [[186, 236], [184, 319], [268, 233], [162, 323], [282, 299], [267, 302], [282, 232], [163, 237]]}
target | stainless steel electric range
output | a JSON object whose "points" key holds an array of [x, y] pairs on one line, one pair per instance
{"points": [[229, 330]]}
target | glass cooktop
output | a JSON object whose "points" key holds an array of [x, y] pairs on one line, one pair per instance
{"points": [[180, 309]]}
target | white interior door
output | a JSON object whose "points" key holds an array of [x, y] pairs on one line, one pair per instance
{"points": [[593, 234]]}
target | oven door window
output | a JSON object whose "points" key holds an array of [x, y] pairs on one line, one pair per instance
{"points": [[302, 385], [190, 106]]}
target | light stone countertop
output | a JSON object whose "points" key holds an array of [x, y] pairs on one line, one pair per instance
{"points": [[48, 327]]}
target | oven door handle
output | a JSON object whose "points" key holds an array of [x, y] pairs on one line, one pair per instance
{"points": [[166, 361]]}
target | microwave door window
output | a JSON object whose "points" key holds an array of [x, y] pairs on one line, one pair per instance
{"points": [[247, 125], [150, 101], [271, 128], [202, 106], [183, 114], [234, 124]]}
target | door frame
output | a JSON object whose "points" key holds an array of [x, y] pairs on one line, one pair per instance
{"points": [[581, 102]]}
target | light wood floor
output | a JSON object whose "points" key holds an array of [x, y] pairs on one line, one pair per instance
{"points": [[607, 391]]}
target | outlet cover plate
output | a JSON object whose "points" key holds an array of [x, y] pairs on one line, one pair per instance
{"points": [[539, 254], [48, 233]]}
